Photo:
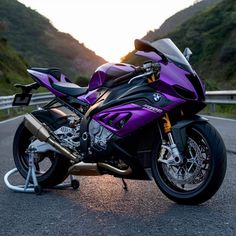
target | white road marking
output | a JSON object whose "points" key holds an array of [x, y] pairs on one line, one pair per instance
{"points": [[218, 118], [9, 120]]}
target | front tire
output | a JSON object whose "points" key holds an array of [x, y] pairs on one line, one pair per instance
{"points": [[201, 174], [52, 168]]}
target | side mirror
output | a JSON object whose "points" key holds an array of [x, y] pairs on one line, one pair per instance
{"points": [[187, 53]]}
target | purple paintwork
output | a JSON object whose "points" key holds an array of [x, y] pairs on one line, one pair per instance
{"points": [[170, 75], [44, 80], [151, 55], [108, 71], [89, 97], [139, 117], [126, 118]]}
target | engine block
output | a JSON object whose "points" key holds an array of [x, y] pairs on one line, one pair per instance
{"points": [[69, 137], [99, 135]]}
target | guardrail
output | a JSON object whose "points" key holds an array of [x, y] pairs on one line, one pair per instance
{"points": [[37, 99], [221, 97], [212, 97]]}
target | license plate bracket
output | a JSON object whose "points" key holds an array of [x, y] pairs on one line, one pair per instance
{"points": [[22, 99]]}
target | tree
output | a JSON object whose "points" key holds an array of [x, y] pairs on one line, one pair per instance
{"points": [[3, 26]]}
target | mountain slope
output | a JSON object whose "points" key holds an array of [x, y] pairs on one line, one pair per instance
{"points": [[42, 45], [171, 24], [12, 69], [212, 38], [179, 18], [211, 35]]}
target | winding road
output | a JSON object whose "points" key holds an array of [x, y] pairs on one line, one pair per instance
{"points": [[102, 207]]}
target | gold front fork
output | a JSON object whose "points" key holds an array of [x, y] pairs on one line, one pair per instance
{"points": [[177, 159], [167, 124]]}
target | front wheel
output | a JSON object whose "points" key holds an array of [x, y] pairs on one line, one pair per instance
{"points": [[203, 169]]}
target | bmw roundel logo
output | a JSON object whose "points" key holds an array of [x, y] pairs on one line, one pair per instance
{"points": [[156, 97]]}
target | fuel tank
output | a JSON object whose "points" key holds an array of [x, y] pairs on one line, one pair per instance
{"points": [[109, 71]]}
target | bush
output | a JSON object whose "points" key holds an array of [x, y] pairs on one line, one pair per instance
{"points": [[227, 54], [82, 81]]}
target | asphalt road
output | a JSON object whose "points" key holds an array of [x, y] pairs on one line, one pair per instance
{"points": [[102, 207]]}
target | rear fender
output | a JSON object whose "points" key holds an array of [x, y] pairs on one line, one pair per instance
{"points": [[179, 130]]}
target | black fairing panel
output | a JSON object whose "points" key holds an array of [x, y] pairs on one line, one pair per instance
{"points": [[123, 94]]}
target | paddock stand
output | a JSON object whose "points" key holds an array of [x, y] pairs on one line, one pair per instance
{"points": [[35, 187]]}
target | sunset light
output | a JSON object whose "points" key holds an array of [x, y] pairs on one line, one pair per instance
{"points": [[107, 27]]}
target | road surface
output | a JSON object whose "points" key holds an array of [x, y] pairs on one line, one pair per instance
{"points": [[102, 207]]}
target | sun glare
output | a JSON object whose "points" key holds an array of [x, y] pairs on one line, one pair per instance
{"points": [[107, 27]]}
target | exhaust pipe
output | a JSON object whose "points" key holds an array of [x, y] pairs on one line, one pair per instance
{"points": [[92, 169], [41, 133], [114, 169], [84, 169], [81, 168]]}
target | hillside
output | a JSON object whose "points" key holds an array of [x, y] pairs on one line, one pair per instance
{"points": [[179, 18], [212, 38], [12, 69], [171, 24], [211, 35], [42, 45]]}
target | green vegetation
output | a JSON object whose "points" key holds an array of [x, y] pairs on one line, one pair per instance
{"points": [[221, 110], [179, 18], [32, 35], [82, 81], [211, 35], [17, 111], [12, 69]]}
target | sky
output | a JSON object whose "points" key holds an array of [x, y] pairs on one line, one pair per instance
{"points": [[107, 27]]}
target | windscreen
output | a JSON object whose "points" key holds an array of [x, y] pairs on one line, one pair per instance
{"points": [[168, 48]]}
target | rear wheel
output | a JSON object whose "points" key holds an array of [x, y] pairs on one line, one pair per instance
{"points": [[203, 169], [51, 167]]}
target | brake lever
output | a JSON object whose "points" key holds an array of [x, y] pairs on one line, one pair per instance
{"points": [[140, 76]]}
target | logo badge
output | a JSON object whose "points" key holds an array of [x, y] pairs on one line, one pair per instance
{"points": [[156, 97]]}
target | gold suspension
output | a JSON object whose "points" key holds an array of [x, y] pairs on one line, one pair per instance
{"points": [[167, 124]]}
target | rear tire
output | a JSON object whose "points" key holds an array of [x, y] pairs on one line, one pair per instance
{"points": [[207, 174], [57, 172]]}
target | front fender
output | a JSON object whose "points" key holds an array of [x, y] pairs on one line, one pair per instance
{"points": [[179, 130]]}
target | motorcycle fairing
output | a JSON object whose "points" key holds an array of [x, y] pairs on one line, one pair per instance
{"points": [[124, 112], [92, 96], [108, 71], [125, 119], [46, 80], [173, 77]]}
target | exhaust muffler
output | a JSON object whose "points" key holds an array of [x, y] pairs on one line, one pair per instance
{"points": [[41, 133], [84, 169], [92, 169], [81, 168]]}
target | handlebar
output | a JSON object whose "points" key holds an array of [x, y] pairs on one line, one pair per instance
{"points": [[147, 69]]}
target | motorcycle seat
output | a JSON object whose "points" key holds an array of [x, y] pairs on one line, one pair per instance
{"points": [[55, 72], [69, 88]]}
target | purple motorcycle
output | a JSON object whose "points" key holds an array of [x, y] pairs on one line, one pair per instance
{"points": [[130, 122]]}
